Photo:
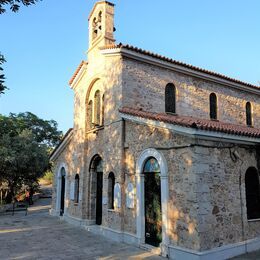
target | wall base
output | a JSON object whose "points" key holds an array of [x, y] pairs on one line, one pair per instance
{"points": [[174, 252], [221, 253], [77, 221], [114, 234], [53, 212]]}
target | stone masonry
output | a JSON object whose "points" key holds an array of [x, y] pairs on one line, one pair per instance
{"points": [[205, 179]]}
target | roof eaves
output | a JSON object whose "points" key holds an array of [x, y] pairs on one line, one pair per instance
{"points": [[63, 140], [195, 123], [77, 72], [179, 63]]}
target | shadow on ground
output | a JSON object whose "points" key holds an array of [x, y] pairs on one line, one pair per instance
{"points": [[40, 236]]}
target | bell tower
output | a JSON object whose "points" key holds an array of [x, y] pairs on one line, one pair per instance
{"points": [[101, 25]]}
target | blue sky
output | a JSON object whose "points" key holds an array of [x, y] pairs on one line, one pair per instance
{"points": [[44, 44]]}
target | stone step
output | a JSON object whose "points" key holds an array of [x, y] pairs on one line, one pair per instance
{"points": [[150, 248]]}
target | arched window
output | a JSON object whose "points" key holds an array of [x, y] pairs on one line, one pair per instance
{"points": [[95, 29], [252, 193], [76, 189], [89, 114], [170, 98], [100, 21], [111, 185], [213, 107], [248, 114], [97, 108], [103, 109], [151, 165]]}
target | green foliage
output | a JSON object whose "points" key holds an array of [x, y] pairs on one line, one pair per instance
{"points": [[48, 177], [2, 76], [44, 131], [14, 5], [23, 160], [25, 144]]}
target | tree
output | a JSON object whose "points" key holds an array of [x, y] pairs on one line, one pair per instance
{"points": [[2, 76], [14, 5], [25, 144], [45, 131], [22, 161]]}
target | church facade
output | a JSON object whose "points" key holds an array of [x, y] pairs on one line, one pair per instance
{"points": [[162, 154]]}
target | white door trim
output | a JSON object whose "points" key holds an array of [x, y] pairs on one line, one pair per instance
{"points": [[58, 191], [140, 214]]}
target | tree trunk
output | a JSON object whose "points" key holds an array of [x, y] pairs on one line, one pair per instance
{"points": [[10, 193], [9, 197], [31, 192]]}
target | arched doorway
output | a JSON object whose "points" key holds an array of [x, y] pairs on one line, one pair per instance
{"points": [[152, 202], [62, 190], [96, 171], [142, 183]]}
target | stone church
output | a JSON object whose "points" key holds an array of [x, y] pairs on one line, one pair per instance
{"points": [[163, 155]]}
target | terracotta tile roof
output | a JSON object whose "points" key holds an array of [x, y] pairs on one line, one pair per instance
{"points": [[196, 123], [61, 141], [77, 71], [179, 63]]}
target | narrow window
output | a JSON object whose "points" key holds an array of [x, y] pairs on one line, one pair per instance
{"points": [[170, 98], [103, 109], [252, 193], [111, 184], [97, 108], [248, 114], [89, 115], [100, 21], [213, 106], [76, 189], [95, 28]]}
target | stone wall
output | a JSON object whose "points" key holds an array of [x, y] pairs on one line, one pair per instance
{"points": [[204, 209], [105, 141], [107, 144], [182, 205], [71, 162], [220, 195], [144, 87]]}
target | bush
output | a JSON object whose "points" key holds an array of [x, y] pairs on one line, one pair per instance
{"points": [[47, 178]]}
